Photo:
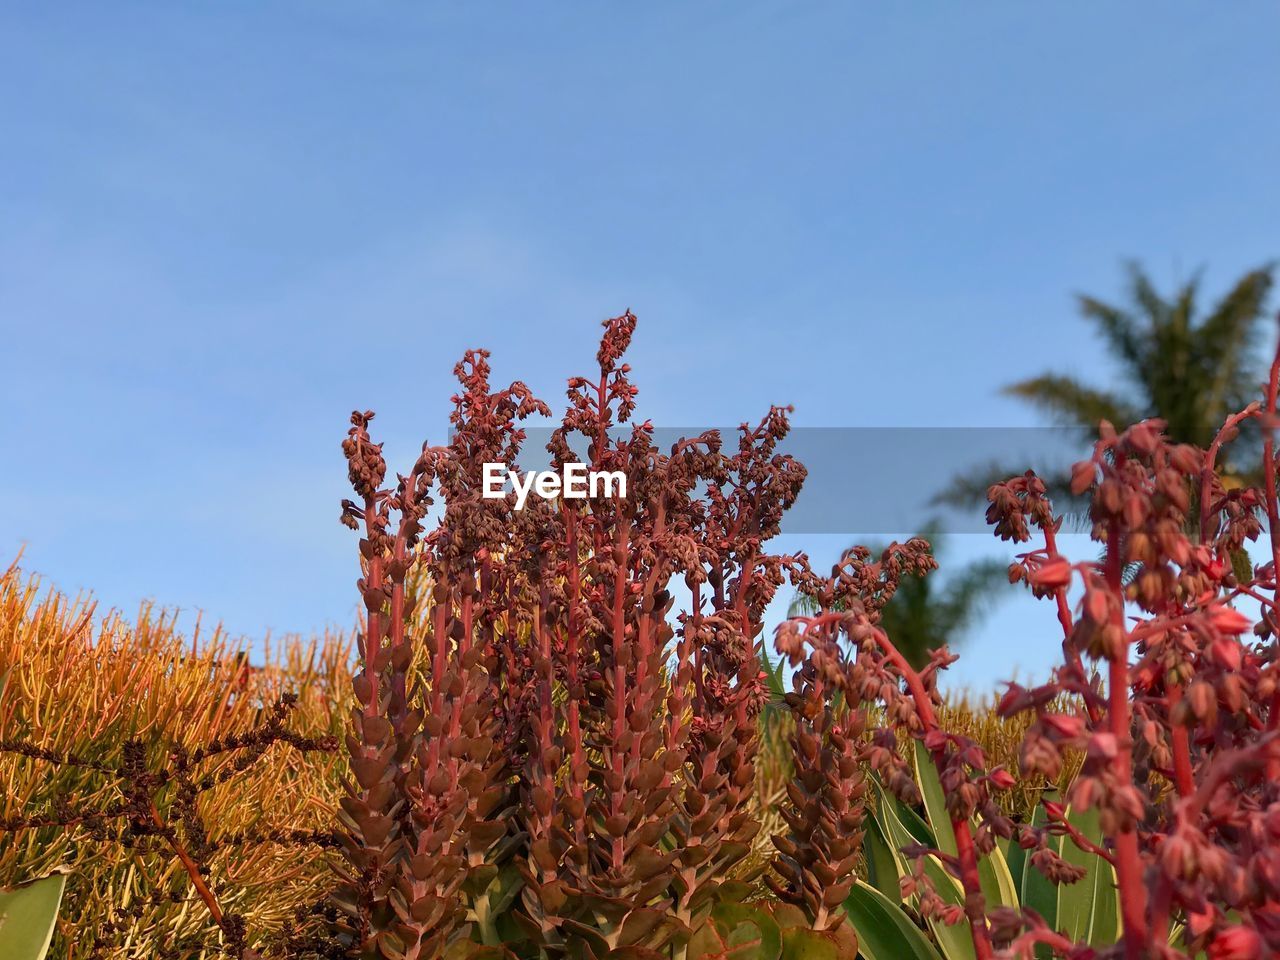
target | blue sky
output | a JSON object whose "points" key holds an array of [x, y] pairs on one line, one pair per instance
{"points": [[226, 225]]}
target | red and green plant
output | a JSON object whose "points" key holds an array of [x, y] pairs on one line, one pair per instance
{"points": [[1168, 689], [576, 764], [554, 724]]}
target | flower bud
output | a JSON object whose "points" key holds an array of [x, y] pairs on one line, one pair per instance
{"points": [[1002, 779], [1228, 620], [1204, 701], [1177, 857], [1236, 943], [1082, 476], [1052, 574]]}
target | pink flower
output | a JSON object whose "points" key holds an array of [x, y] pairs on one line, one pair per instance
{"points": [[1002, 779], [1052, 574], [1236, 943], [1228, 620]]}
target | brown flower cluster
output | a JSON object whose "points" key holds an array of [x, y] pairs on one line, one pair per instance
{"points": [[572, 762]]}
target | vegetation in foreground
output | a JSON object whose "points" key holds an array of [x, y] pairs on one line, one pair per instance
{"points": [[544, 757]]}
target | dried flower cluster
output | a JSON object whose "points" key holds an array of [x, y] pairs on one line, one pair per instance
{"points": [[1178, 714], [575, 765]]}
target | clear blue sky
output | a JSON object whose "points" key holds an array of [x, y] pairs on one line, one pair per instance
{"points": [[226, 225]]}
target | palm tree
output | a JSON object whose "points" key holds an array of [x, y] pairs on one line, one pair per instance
{"points": [[927, 612], [1188, 369]]}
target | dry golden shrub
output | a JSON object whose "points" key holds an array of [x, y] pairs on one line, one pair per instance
{"points": [[1000, 740], [82, 684]]}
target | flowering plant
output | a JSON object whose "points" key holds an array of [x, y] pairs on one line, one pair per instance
{"points": [[1168, 688]]}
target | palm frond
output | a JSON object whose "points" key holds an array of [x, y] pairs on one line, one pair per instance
{"points": [[802, 605], [972, 591], [1071, 402], [1145, 296], [969, 487], [1182, 310], [1223, 340], [1119, 328]]}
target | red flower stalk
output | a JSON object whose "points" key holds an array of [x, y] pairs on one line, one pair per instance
{"points": [[421, 817], [816, 859], [551, 736], [1179, 731], [873, 671]]}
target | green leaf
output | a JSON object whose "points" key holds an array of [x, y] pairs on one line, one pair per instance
{"points": [[935, 799], [734, 891], [505, 889], [1089, 909], [799, 943], [994, 875], [785, 914], [997, 880], [882, 866], [1034, 891], [956, 942], [884, 931], [886, 813], [705, 942], [774, 678], [1019, 863], [913, 823], [1007, 846], [644, 926], [28, 914], [748, 933]]}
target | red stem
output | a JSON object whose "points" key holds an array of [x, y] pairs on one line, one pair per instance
{"points": [[1273, 523], [1133, 895], [966, 852], [373, 625], [573, 721], [1183, 778], [1081, 841], [1068, 625]]}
